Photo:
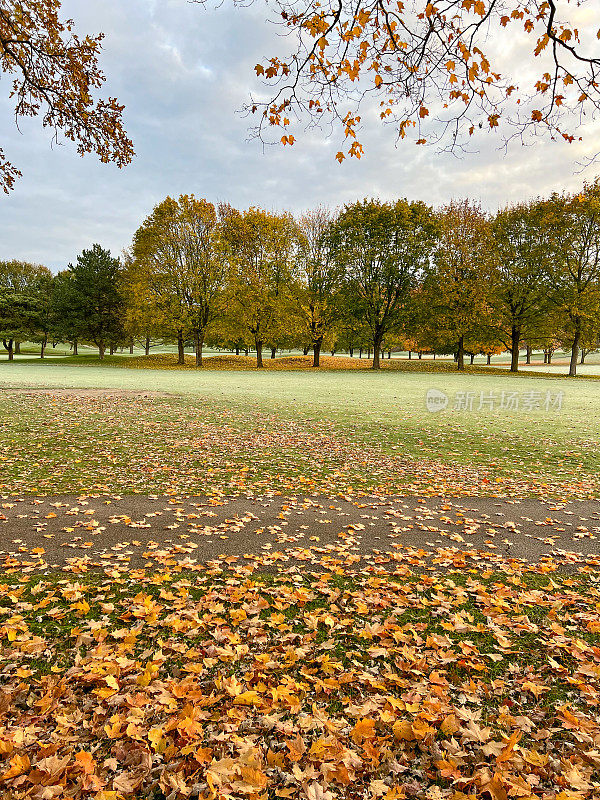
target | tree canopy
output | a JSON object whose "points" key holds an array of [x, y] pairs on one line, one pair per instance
{"points": [[383, 247], [96, 301], [177, 266]]}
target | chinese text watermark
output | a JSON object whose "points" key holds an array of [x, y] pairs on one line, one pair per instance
{"points": [[436, 400]]}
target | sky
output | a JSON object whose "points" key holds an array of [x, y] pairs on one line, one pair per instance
{"points": [[184, 71]]}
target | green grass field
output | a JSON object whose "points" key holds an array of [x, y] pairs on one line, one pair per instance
{"points": [[261, 427]]}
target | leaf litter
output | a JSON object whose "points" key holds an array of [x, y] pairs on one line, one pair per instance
{"points": [[432, 670]]}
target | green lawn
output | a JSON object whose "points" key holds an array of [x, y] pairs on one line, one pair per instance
{"points": [[332, 429]]}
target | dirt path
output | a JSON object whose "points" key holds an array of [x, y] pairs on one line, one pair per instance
{"points": [[276, 533]]}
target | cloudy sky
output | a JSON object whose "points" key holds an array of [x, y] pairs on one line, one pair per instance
{"points": [[184, 72]]}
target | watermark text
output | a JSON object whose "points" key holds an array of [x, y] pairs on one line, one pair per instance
{"points": [[527, 401]]}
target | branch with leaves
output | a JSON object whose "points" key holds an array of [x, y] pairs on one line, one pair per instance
{"points": [[55, 75], [430, 66]]}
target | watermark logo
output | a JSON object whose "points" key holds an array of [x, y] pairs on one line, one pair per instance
{"points": [[436, 400]]}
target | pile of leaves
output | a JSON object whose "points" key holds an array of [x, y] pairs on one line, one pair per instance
{"points": [[327, 363], [218, 683]]}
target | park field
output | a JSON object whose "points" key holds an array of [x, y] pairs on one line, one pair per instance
{"points": [[235, 584], [331, 429]]}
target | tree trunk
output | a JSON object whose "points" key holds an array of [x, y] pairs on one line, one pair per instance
{"points": [[351, 352], [305, 350], [389, 354], [489, 359], [410, 355], [317, 352], [420, 355], [180, 349], [472, 358], [8, 346], [259, 359], [528, 356], [111, 350], [515, 338], [75, 350], [376, 353], [550, 356], [17, 348], [43, 344], [434, 356], [131, 348], [583, 354], [360, 352], [273, 352], [460, 356], [237, 349], [574, 353], [198, 343], [101, 351], [147, 346]]}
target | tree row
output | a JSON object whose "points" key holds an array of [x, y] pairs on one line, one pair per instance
{"points": [[375, 276]]}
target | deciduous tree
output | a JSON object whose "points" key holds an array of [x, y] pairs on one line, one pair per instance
{"points": [[576, 259], [457, 283], [179, 267], [27, 291], [383, 248], [15, 318], [318, 278], [521, 274], [261, 247]]}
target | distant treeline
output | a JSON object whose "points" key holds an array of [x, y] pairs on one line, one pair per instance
{"points": [[372, 276]]}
